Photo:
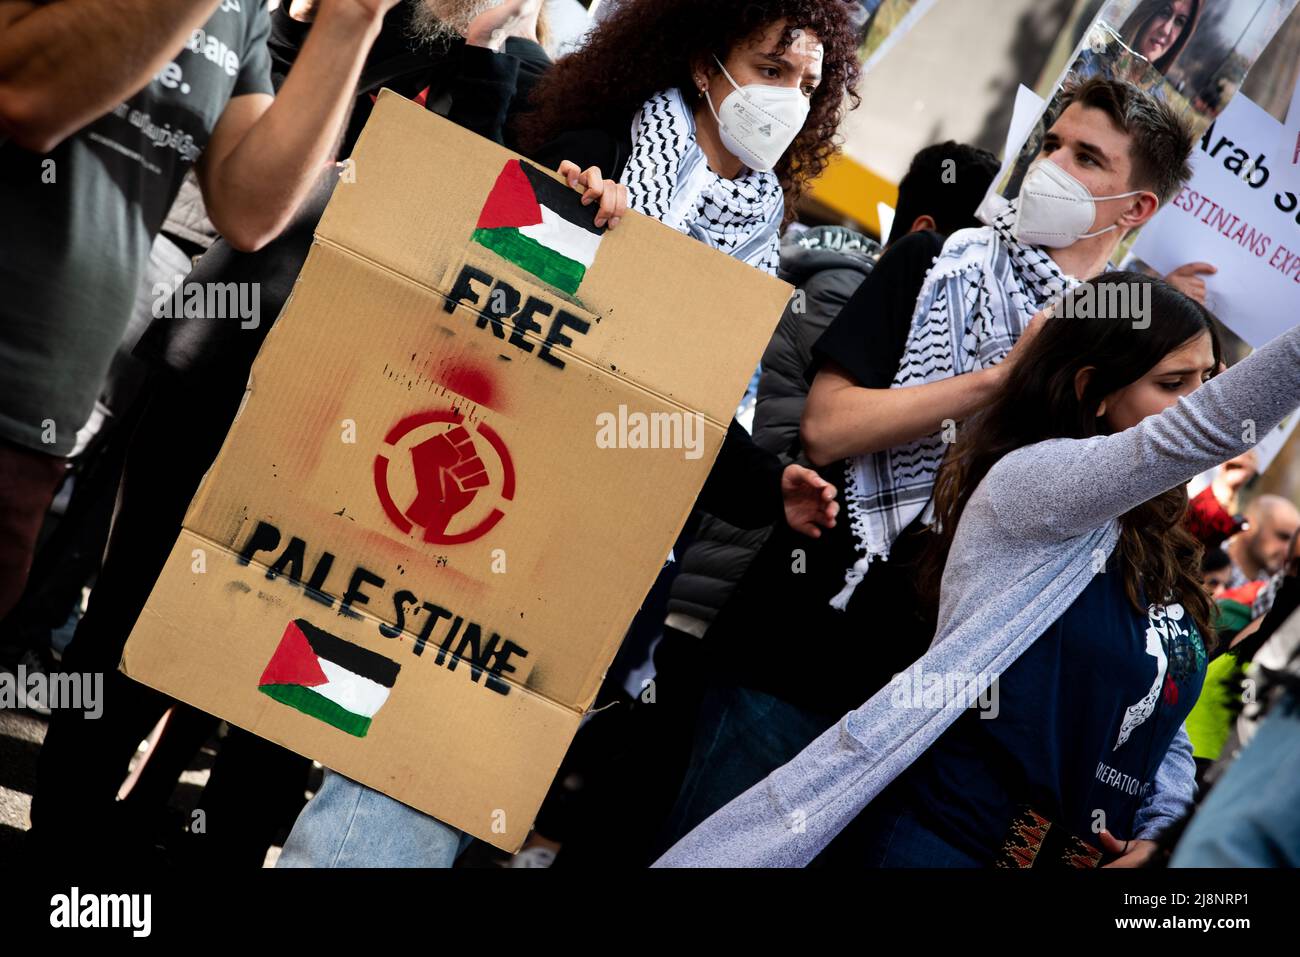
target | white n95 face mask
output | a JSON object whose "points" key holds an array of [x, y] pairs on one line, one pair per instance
{"points": [[758, 122], [1056, 210]]}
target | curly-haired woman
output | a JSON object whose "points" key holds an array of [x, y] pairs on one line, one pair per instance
{"points": [[711, 117], [645, 47]]}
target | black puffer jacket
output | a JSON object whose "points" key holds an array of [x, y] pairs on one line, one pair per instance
{"points": [[828, 263]]}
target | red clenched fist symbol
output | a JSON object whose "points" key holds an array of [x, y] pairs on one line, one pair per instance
{"points": [[448, 474]]}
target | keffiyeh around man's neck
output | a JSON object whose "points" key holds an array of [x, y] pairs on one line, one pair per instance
{"points": [[978, 298]]}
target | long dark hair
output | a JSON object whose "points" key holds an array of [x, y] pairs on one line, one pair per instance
{"points": [[645, 46], [1158, 556]]}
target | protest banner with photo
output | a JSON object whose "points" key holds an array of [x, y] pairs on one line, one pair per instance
{"points": [[1192, 54], [1231, 214], [467, 445]]}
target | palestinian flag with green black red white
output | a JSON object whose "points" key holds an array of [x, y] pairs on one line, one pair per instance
{"points": [[540, 225], [328, 678]]}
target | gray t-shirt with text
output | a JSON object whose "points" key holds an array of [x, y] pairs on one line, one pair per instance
{"points": [[76, 224]]}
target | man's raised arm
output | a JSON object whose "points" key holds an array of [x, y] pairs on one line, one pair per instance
{"points": [[67, 62], [842, 419]]}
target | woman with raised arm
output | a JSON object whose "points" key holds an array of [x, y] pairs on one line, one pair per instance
{"points": [[1070, 613]]}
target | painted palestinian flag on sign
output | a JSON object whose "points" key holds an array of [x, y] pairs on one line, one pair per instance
{"points": [[328, 678], [540, 225]]}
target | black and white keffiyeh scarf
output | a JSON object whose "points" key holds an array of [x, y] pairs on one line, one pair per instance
{"points": [[979, 296], [668, 177]]}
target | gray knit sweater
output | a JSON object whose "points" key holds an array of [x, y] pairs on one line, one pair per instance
{"points": [[1026, 547]]}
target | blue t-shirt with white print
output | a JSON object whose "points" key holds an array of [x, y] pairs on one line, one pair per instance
{"points": [[1084, 719]]}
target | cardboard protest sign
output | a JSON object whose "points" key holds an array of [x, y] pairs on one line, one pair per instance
{"points": [[1192, 54], [467, 445], [1230, 214]]}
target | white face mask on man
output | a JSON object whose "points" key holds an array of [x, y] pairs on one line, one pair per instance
{"points": [[757, 122], [1056, 210]]}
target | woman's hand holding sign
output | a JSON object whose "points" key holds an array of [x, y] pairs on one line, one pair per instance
{"points": [[612, 195]]}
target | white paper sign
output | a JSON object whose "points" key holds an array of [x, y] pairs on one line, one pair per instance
{"points": [[1232, 215], [1028, 108]]}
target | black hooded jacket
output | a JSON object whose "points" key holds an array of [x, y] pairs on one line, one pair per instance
{"points": [[827, 264]]}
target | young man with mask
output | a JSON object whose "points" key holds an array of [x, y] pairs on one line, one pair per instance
{"points": [[1110, 159], [826, 627]]}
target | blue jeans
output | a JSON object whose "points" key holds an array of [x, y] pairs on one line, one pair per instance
{"points": [[347, 824], [742, 737], [1249, 818]]}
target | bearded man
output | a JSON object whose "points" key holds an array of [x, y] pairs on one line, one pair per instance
{"points": [[467, 60]]}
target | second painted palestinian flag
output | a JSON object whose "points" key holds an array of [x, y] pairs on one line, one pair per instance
{"points": [[328, 678], [540, 225]]}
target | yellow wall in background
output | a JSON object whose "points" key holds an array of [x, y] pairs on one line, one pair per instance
{"points": [[851, 190]]}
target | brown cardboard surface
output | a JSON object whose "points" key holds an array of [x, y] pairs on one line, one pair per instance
{"points": [[313, 503]]}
